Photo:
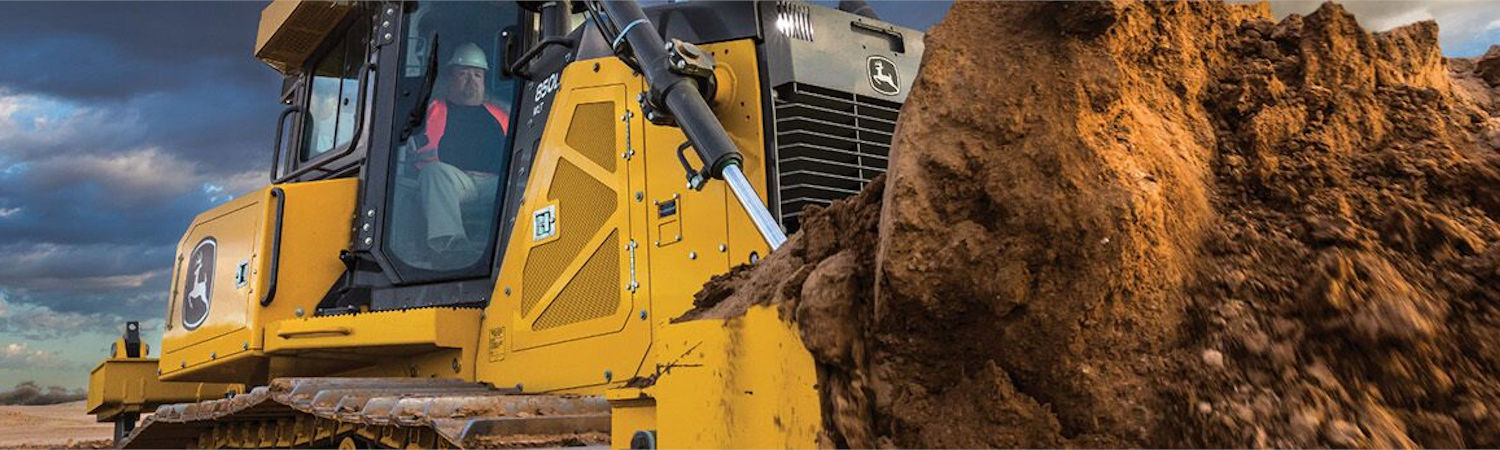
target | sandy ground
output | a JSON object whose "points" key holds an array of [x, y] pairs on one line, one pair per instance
{"points": [[53, 426]]}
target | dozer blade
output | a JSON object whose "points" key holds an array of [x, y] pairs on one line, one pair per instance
{"points": [[377, 412]]}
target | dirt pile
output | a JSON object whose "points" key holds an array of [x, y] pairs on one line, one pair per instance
{"points": [[1162, 225]]}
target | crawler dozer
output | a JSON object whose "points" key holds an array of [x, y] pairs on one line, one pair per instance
{"points": [[483, 219]]}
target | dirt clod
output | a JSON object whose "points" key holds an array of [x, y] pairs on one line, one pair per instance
{"points": [[1162, 225]]}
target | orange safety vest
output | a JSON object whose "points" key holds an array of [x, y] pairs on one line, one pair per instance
{"points": [[437, 123]]}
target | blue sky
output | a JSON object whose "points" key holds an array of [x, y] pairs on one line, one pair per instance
{"points": [[121, 121]]}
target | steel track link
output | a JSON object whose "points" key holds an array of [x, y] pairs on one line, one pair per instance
{"points": [[388, 412]]}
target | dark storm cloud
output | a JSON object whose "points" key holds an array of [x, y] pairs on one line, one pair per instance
{"points": [[118, 123], [93, 50]]}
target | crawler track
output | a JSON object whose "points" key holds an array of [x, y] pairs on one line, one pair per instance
{"points": [[379, 412]]}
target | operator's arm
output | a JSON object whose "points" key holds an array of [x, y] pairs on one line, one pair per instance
{"points": [[432, 133]]}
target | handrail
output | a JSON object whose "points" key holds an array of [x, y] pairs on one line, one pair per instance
{"points": [[270, 294], [280, 127], [525, 59], [341, 331]]}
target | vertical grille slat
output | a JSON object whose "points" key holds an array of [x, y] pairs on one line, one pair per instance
{"points": [[829, 145]]}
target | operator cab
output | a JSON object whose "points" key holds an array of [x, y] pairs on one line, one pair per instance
{"points": [[412, 98]]}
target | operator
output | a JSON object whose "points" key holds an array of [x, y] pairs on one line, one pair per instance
{"points": [[463, 159]]}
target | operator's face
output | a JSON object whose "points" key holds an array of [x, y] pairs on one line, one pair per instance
{"points": [[466, 85]]}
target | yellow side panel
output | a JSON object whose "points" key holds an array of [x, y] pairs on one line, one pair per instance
{"points": [[715, 233], [434, 342], [231, 233], [746, 382], [389, 331], [226, 347], [603, 172], [318, 219], [563, 315]]}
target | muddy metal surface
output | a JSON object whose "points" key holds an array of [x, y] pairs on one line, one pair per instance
{"points": [[462, 414]]}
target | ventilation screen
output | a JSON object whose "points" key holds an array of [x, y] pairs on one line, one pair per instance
{"points": [[583, 205], [593, 293], [593, 133]]}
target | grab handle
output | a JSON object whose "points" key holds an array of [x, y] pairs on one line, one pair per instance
{"points": [[288, 334]]}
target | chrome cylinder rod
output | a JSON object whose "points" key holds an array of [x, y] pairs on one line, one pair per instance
{"points": [[757, 210]]}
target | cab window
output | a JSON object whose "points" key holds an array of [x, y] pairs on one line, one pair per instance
{"points": [[334, 94], [453, 140]]}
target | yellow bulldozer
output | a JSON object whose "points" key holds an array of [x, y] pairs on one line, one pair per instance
{"points": [[484, 217]]}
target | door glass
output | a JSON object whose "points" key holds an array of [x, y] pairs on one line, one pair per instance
{"points": [[453, 142], [335, 94]]}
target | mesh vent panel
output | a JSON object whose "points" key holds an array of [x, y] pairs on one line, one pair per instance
{"points": [[583, 205], [593, 293], [593, 133]]}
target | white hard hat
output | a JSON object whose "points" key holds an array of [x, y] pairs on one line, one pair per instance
{"points": [[469, 55]]}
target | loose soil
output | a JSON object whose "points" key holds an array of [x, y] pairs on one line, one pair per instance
{"points": [[1162, 225], [63, 425]]}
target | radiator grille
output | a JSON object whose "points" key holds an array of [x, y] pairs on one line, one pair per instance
{"points": [[829, 144]]}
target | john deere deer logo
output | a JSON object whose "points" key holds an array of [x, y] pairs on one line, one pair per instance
{"points": [[883, 77], [198, 284]]}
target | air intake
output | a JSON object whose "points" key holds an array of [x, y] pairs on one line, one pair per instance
{"points": [[829, 144]]}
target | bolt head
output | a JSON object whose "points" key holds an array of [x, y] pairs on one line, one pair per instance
{"points": [[369, 240], [299, 312], [370, 213], [643, 314], [692, 255], [723, 248]]}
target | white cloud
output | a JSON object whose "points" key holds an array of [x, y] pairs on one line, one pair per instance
{"points": [[93, 283], [36, 322], [34, 126], [1463, 26], [7, 212], [1398, 18], [20, 355], [139, 176]]}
